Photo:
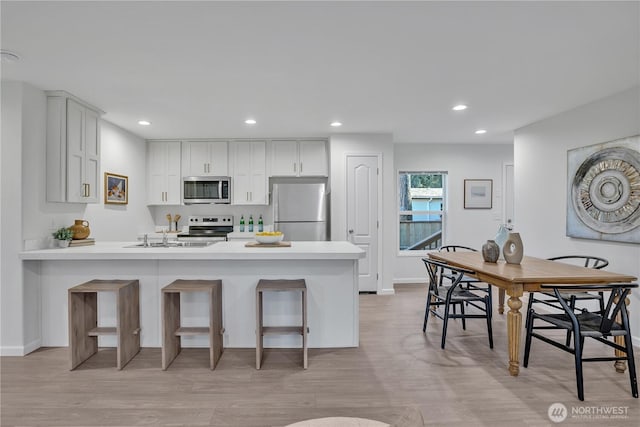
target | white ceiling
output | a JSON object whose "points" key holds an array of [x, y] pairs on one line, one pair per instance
{"points": [[198, 69]]}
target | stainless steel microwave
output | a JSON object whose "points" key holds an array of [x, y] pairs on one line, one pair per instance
{"points": [[206, 189]]}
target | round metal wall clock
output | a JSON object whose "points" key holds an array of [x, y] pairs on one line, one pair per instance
{"points": [[605, 191]]}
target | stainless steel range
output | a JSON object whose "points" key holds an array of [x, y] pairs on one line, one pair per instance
{"points": [[208, 228]]}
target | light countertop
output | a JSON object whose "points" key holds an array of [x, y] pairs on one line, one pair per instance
{"points": [[232, 250]]}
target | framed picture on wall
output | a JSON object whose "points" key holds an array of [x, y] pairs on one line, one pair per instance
{"points": [[116, 189], [478, 193]]}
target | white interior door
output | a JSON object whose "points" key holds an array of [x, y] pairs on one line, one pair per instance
{"points": [[363, 215]]}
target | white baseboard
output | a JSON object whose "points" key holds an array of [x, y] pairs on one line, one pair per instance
{"points": [[20, 350], [11, 351], [32, 346], [410, 281]]}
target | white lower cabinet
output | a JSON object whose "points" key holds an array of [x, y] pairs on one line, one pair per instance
{"points": [[249, 178], [164, 178]]}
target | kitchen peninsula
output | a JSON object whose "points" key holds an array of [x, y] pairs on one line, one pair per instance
{"points": [[329, 268]]}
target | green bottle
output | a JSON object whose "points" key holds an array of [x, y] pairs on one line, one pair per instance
{"points": [[250, 223], [241, 223], [260, 224]]}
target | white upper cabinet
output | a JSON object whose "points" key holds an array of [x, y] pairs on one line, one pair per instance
{"points": [[249, 177], [73, 149], [313, 158], [299, 158], [284, 158], [163, 173], [201, 158]]}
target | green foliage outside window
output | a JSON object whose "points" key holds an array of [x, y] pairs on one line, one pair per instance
{"points": [[426, 181]]}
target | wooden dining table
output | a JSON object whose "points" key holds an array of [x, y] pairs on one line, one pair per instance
{"points": [[528, 276]]}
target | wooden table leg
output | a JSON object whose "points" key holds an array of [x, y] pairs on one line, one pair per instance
{"points": [[514, 328], [620, 365], [501, 301]]}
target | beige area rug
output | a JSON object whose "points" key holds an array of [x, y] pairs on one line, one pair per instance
{"points": [[410, 417], [339, 422]]}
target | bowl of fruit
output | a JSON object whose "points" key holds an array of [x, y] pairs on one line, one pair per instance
{"points": [[269, 237]]}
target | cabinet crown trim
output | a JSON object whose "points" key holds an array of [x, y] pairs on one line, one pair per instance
{"points": [[65, 94]]}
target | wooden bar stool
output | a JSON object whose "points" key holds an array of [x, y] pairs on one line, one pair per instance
{"points": [[280, 286], [83, 320], [171, 329]]}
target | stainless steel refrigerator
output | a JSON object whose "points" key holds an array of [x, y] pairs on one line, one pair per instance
{"points": [[300, 208]]}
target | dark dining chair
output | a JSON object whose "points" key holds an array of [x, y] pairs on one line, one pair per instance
{"points": [[548, 298], [451, 294], [471, 283], [611, 322]]}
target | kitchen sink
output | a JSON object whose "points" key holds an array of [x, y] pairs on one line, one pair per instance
{"points": [[172, 245], [191, 244]]}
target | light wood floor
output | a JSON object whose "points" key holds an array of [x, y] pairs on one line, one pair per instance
{"points": [[397, 369]]}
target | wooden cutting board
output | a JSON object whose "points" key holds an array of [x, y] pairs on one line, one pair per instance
{"points": [[268, 245]]}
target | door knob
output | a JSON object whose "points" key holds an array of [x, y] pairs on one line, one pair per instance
{"points": [[351, 231]]}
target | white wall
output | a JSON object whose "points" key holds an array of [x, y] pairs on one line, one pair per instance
{"points": [[540, 152], [27, 220], [10, 220], [341, 145], [121, 153], [467, 227]]}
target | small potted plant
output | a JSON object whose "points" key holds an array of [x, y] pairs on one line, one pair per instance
{"points": [[63, 236]]}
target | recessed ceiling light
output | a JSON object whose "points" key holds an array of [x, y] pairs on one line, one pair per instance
{"points": [[459, 107], [8, 56], [481, 131], [144, 122], [336, 124], [250, 122]]}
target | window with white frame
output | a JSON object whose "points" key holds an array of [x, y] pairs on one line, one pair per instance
{"points": [[422, 198]]}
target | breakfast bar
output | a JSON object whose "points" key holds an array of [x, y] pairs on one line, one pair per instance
{"points": [[329, 268]]}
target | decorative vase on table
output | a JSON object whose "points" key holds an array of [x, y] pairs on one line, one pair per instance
{"points": [[80, 229], [513, 249], [501, 237], [490, 251]]}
